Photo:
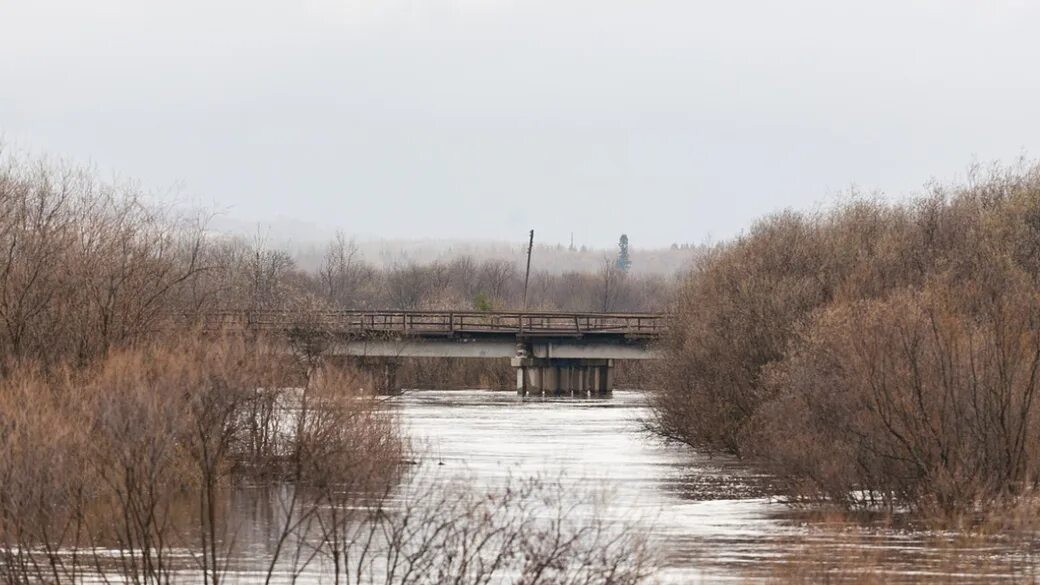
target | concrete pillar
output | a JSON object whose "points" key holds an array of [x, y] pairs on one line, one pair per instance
{"points": [[578, 377], [523, 371], [389, 378], [552, 379], [606, 378]]}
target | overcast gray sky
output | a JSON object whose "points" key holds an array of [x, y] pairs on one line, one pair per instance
{"points": [[671, 120]]}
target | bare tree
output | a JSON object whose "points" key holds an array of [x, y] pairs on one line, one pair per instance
{"points": [[339, 272]]}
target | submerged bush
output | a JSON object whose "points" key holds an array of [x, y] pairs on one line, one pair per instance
{"points": [[912, 400], [135, 453], [875, 353]]}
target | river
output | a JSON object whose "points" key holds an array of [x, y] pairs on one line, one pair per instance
{"points": [[710, 519], [707, 519]]}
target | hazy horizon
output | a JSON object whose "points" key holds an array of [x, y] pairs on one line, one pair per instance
{"points": [[673, 122], [308, 248]]}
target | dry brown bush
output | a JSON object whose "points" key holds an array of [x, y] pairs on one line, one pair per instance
{"points": [[111, 472], [135, 454], [85, 265], [45, 480], [873, 354], [108, 473], [735, 315], [916, 399]]}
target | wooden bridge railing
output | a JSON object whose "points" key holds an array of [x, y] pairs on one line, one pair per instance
{"points": [[446, 322]]}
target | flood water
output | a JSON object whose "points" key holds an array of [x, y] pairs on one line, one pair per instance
{"points": [[709, 519]]}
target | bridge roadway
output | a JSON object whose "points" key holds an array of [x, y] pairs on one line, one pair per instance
{"points": [[552, 352]]}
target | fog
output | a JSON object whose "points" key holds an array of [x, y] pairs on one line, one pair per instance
{"points": [[671, 121]]}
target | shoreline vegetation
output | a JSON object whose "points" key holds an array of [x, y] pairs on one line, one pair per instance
{"points": [[121, 437], [111, 473], [877, 356]]}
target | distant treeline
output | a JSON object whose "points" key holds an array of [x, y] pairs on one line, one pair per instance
{"points": [[87, 265], [344, 279], [553, 258], [875, 354]]}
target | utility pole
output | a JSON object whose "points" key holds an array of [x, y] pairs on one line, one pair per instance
{"points": [[527, 275]]}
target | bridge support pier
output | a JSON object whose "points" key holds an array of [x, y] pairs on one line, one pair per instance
{"points": [[557, 376], [388, 380], [380, 372]]}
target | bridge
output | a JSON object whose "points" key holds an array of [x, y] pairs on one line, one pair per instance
{"points": [[552, 352]]}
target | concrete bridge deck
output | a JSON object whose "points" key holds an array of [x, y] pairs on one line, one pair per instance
{"points": [[360, 323], [552, 352]]}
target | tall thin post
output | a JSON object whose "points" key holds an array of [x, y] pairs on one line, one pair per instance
{"points": [[527, 274]]}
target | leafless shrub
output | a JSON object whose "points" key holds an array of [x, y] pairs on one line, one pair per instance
{"points": [[878, 354], [923, 398], [136, 454], [526, 531], [85, 265], [735, 315]]}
